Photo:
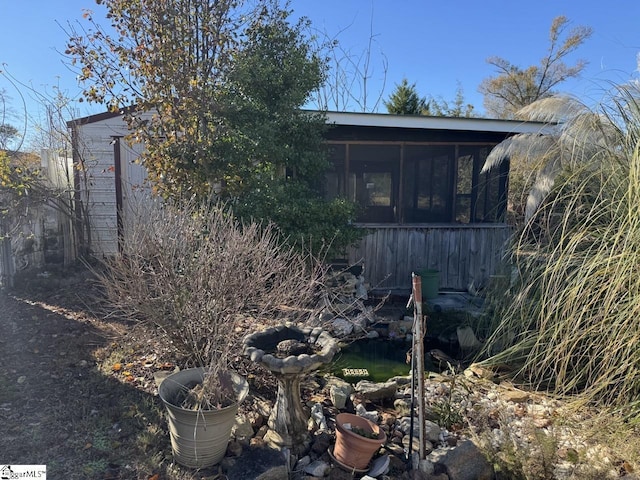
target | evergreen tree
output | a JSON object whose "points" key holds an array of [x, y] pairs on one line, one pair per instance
{"points": [[405, 100]]}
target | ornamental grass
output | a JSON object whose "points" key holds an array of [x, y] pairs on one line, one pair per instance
{"points": [[570, 320]]}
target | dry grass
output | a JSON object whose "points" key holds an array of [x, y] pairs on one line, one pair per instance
{"points": [[570, 322]]}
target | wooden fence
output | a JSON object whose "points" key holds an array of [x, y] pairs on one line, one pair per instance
{"points": [[464, 255]]}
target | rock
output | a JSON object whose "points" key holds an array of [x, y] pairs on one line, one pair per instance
{"points": [[464, 462], [342, 327], [431, 431], [317, 468], [373, 391], [339, 396], [361, 290], [404, 424], [397, 464], [339, 391], [400, 329], [515, 396], [317, 417], [424, 466], [388, 419], [362, 412], [361, 322], [402, 407], [303, 462], [321, 442], [242, 430], [415, 445], [275, 473], [395, 449], [479, 371], [372, 334]]}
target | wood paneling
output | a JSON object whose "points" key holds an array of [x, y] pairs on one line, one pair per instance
{"points": [[464, 255]]}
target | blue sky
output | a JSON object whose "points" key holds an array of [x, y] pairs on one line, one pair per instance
{"points": [[435, 44]]}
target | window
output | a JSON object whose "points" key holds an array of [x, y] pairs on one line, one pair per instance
{"points": [[428, 179], [417, 183], [373, 181]]}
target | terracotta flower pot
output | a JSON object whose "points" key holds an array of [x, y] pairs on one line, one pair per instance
{"points": [[352, 449], [199, 438]]}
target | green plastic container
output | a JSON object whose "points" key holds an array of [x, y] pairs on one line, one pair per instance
{"points": [[430, 283]]}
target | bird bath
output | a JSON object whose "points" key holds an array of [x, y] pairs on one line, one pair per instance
{"points": [[290, 352]]}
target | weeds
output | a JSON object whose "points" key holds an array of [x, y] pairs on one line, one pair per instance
{"points": [[446, 409]]}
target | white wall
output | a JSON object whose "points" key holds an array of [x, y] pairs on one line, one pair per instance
{"points": [[95, 144]]}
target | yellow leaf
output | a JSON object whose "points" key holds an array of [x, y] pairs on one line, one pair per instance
{"points": [[116, 367]]}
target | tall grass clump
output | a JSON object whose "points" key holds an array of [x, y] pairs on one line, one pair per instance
{"points": [[200, 280], [570, 321]]}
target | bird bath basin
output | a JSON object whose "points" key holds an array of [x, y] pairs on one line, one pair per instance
{"points": [[290, 352]]}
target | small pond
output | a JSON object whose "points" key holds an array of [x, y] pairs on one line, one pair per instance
{"points": [[382, 358]]}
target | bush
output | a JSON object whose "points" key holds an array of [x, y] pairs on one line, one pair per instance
{"points": [[202, 279]]}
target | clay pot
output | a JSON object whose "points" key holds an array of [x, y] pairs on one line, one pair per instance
{"points": [[352, 449]]}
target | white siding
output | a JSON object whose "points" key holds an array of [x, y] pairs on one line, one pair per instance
{"points": [[95, 144]]}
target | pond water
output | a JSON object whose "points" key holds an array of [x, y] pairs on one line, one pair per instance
{"points": [[383, 359]]}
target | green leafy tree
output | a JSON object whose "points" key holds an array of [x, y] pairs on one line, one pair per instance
{"points": [[405, 100], [456, 108], [217, 97], [513, 87]]}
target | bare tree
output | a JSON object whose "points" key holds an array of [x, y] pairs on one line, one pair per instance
{"points": [[350, 72]]}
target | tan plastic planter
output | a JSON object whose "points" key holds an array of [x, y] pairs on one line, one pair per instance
{"points": [[199, 438]]}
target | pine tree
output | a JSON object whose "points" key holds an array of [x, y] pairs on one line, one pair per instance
{"points": [[405, 100]]}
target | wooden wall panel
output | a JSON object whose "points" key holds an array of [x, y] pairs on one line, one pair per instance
{"points": [[464, 255]]}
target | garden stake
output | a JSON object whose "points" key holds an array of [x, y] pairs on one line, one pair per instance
{"points": [[419, 353], [413, 383]]}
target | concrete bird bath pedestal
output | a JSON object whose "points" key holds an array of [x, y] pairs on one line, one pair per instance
{"points": [[290, 352]]}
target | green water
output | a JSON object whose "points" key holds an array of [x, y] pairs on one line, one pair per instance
{"points": [[381, 357]]}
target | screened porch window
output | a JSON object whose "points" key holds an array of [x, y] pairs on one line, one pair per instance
{"points": [[417, 183]]}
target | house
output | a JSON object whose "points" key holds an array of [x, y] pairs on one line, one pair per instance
{"points": [[424, 201]]}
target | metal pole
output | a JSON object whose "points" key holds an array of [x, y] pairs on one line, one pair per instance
{"points": [[419, 353]]}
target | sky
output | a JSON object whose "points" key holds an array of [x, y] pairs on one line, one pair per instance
{"points": [[438, 45]]}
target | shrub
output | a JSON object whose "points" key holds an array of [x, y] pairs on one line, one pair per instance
{"points": [[201, 279]]}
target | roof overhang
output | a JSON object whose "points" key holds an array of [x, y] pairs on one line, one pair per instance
{"points": [[422, 122], [385, 120]]}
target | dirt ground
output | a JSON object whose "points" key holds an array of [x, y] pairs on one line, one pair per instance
{"points": [[57, 408], [77, 387]]}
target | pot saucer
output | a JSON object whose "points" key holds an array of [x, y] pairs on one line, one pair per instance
{"points": [[343, 466]]}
